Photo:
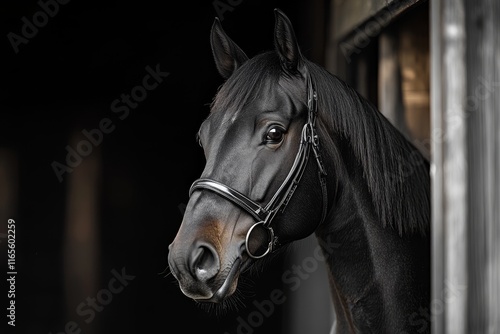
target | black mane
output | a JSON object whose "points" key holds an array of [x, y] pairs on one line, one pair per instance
{"points": [[397, 175]]}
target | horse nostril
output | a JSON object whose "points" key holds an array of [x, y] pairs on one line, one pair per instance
{"points": [[204, 262]]}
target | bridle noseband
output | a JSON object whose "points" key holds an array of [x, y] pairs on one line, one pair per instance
{"points": [[264, 215]]}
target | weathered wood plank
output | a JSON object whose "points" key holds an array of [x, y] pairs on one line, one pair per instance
{"points": [[351, 14], [483, 124], [466, 160], [449, 166]]}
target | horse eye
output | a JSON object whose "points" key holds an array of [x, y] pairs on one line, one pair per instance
{"points": [[274, 135]]}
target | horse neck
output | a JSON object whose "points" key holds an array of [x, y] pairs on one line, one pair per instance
{"points": [[379, 280]]}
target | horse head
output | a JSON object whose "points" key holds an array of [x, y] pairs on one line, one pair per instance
{"points": [[257, 140]]}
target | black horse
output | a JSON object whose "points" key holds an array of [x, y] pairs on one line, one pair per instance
{"points": [[292, 150]]}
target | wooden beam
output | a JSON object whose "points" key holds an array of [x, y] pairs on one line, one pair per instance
{"points": [[482, 106], [81, 235], [449, 167], [466, 165]]}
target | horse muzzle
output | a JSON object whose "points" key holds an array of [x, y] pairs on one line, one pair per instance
{"points": [[201, 273]]}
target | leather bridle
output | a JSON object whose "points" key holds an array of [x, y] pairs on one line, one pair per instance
{"points": [[265, 214]]}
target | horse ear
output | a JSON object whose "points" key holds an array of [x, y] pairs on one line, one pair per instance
{"points": [[286, 44], [228, 56]]}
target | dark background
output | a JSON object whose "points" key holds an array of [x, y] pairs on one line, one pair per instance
{"points": [[62, 82]]}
